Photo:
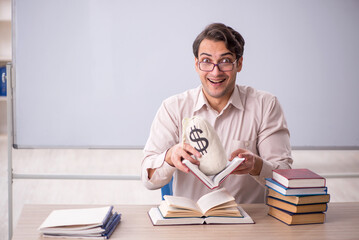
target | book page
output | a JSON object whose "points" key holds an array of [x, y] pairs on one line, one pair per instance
{"points": [[214, 180], [244, 218], [68, 217], [181, 202], [157, 219], [203, 177], [231, 166], [169, 211], [213, 199], [224, 212]]}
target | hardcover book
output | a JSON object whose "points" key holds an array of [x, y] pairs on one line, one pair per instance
{"points": [[294, 191], [215, 207], [300, 200], [290, 207], [93, 223], [296, 218], [214, 181], [157, 219], [298, 178]]}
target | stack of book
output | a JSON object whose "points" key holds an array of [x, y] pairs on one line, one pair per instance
{"points": [[297, 196], [91, 223]]}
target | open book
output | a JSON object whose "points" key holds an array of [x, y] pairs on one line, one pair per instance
{"points": [[215, 207], [214, 181], [93, 223]]}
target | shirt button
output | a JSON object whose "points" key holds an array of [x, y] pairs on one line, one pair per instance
{"points": [[246, 144]]}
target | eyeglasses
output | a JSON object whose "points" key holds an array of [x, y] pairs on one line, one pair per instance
{"points": [[223, 66]]}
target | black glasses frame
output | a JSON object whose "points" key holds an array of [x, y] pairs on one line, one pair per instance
{"points": [[214, 65]]}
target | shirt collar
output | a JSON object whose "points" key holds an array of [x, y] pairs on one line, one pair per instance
{"points": [[201, 100], [235, 100]]}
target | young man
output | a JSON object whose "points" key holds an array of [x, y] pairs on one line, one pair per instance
{"points": [[250, 124]]}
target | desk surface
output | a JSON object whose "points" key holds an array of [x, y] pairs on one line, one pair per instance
{"points": [[341, 223]]}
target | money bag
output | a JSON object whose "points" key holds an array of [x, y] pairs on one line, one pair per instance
{"points": [[201, 135]]}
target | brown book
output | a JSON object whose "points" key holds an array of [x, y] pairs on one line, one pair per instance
{"points": [[290, 207], [309, 199], [296, 218]]}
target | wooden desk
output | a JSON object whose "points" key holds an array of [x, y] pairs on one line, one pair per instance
{"points": [[341, 223]]}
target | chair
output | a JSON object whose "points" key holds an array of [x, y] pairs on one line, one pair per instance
{"points": [[167, 189]]}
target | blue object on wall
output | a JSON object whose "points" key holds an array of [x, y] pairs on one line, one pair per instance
{"points": [[3, 81]]}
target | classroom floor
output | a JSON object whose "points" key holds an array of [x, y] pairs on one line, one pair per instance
{"points": [[127, 162]]}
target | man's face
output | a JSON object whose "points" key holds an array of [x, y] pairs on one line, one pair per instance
{"points": [[217, 85]]}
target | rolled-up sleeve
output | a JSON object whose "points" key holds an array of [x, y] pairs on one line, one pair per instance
{"points": [[163, 135], [273, 141]]}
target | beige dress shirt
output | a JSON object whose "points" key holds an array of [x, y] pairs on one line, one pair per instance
{"points": [[251, 120]]}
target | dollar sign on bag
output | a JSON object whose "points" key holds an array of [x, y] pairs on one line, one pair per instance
{"points": [[202, 142]]}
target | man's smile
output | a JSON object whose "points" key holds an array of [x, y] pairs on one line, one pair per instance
{"points": [[216, 81]]}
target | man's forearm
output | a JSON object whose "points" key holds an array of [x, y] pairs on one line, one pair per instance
{"points": [[151, 171]]}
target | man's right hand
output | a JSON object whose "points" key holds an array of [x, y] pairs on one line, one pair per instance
{"points": [[178, 152]]}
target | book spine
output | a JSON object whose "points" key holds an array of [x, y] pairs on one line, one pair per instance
{"points": [[112, 226], [107, 217]]}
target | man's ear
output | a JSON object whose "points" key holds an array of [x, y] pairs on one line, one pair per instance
{"points": [[196, 63], [239, 64]]}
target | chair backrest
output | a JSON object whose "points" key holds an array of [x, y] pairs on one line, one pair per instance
{"points": [[167, 189]]}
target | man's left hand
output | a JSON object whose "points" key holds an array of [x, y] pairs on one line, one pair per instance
{"points": [[252, 163]]}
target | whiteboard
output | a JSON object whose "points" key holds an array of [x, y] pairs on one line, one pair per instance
{"points": [[92, 73]]}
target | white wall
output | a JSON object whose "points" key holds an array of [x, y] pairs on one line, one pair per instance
{"points": [[93, 73]]}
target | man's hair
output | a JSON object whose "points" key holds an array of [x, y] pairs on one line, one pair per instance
{"points": [[220, 32]]}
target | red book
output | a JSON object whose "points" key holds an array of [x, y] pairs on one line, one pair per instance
{"points": [[298, 178]]}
